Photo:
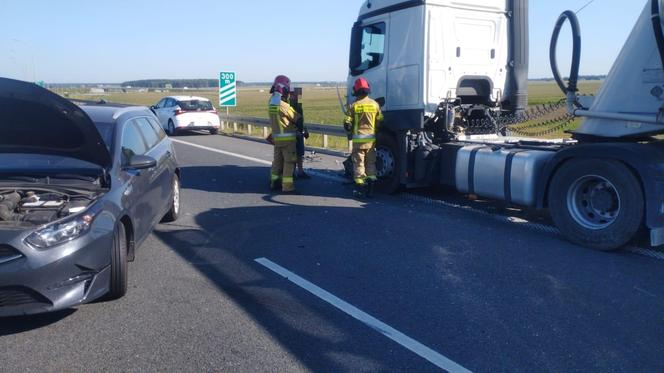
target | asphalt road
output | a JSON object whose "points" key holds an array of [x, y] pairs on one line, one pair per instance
{"points": [[479, 293]]}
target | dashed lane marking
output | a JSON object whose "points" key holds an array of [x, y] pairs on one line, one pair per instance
{"points": [[368, 320]]}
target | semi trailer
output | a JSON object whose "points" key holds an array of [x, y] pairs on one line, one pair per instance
{"points": [[451, 75]]}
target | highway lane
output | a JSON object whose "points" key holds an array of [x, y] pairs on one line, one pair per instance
{"points": [[487, 295]]}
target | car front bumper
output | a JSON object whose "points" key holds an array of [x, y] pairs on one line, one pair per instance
{"points": [[48, 280]]}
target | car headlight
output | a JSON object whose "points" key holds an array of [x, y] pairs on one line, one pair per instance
{"points": [[61, 232]]}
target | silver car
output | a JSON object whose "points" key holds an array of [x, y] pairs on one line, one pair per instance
{"points": [[81, 186]]}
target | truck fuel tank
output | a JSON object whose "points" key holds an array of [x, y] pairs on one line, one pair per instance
{"points": [[508, 174]]}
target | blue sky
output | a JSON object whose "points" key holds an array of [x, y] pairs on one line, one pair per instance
{"points": [[114, 41]]}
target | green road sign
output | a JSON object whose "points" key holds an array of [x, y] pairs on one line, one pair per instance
{"points": [[227, 89]]}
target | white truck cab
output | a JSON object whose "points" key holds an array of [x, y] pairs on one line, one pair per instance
{"points": [[417, 54], [446, 71]]}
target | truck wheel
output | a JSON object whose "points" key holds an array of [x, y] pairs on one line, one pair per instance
{"points": [[596, 203], [388, 166], [118, 285]]}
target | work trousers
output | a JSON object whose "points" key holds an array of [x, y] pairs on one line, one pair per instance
{"points": [[283, 165], [364, 162]]}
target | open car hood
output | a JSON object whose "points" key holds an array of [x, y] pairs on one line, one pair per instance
{"points": [[34, 120]]}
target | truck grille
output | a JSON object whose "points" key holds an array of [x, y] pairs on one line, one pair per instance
{"points": [[19, 296], [8, 253]]}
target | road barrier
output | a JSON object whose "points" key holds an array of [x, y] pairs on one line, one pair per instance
{"points": [[231, 122]]}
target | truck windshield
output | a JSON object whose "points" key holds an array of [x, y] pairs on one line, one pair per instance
{"points": [[367, 47]]}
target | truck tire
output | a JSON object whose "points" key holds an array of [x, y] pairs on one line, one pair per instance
{"points": [[119, 264], [596, 203], [388, 164]]}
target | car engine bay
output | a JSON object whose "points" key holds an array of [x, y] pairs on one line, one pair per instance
{"points": [[40, 206]]}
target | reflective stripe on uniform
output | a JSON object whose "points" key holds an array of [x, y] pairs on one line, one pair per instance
{"points": [[364, 138], [288, 136], [359, 181], [275, 177], [366, 108], [273, 109], [288, 180]]}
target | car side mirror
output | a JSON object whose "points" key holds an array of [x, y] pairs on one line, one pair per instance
{"points": [[141, 162]]}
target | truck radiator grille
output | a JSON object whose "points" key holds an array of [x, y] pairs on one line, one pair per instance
{"points": [[19, 296]]}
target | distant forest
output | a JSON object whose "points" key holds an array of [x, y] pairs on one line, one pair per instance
{"points": [[214, 83], [174, 83], [581, 77]]}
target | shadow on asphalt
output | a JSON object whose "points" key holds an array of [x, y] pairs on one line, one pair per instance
{"points": [[250, 180], [215, 248], [297, 321], [490, 280], [21, 324]]}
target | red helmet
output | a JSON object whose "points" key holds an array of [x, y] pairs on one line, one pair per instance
{"points": [[361, 87], [281, 84]]}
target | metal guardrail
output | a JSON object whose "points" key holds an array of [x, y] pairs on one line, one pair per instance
{"points": [[232, 121]]}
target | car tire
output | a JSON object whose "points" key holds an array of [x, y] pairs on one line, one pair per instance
{"points": [[214, 131], [387, 163], [119, 264], [174, 212], [171, 131], [597, 203]]}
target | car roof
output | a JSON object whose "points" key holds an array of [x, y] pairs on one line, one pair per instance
{"points": [[101, 113], [185, 98]]}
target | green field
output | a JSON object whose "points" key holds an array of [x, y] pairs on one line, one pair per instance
{"points": [[321, 105]]}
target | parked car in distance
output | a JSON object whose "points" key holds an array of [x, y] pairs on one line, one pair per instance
{"points": [[185, 113], [81, 187]]}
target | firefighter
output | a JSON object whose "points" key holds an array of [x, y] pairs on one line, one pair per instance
{"points": [[361, 121], [283, 119]]}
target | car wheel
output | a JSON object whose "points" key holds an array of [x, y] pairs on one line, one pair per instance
{"points": [[174, 212], [119, 264], [171, 128], [214, 131], [597, 203]]}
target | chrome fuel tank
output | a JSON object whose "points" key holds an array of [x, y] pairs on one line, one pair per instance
{"points": [[500, 173]]}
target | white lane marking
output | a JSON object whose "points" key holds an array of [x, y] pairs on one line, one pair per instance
{"points": [[370, 321], [655, 254], [247, 158]]}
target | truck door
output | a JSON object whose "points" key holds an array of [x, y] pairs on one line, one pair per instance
{"points": [[368, 54]]}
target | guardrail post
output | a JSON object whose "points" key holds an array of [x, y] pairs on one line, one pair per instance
{"points": [[325, 141], [223, 125], [350, 146], [249, 129], [234, 127], [265, 134]]}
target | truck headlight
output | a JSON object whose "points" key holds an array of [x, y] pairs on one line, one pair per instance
{"points": [[61, 232]]}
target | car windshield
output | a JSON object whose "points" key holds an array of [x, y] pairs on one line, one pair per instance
{"points": [[195, 105], [106, 132]]}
